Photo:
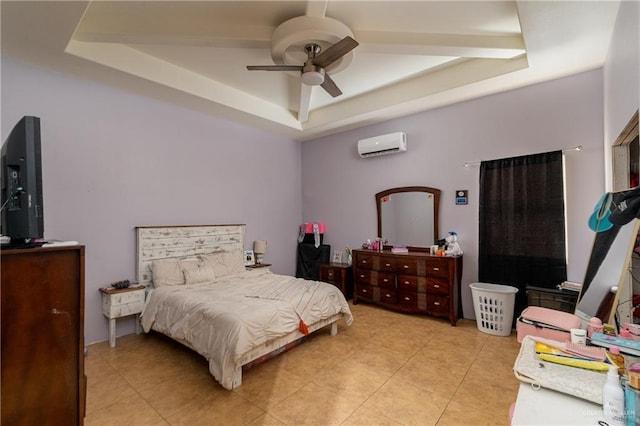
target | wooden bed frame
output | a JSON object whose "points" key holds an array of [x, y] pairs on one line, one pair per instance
{"points": [[168, 242]]}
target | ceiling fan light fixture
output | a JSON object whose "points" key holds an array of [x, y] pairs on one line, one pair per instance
{"points": [[313, 78]]}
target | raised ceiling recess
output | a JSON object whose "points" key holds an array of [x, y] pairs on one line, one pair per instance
{"points": [[412, 55]]}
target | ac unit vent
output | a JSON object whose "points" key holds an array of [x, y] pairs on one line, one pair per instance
{"points": [[382, 145]]}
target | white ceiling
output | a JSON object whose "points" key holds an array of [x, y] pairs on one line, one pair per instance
{"points": [[413, 55]]}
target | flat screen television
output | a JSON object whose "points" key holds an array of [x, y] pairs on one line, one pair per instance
{"points": [[21, 176]]}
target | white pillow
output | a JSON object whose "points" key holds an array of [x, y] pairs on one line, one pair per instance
{"points": [[169, 272], [225, 263], [202, 274], [189, 264], [166, 272]]}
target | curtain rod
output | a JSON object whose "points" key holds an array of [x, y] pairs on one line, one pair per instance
{"points": [[475, 163]]}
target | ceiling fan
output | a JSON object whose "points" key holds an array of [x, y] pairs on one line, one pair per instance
{"points": [[313, 72]]}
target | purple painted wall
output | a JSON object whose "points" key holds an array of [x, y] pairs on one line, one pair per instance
{"points": [[621, 77], [339, 186], [113, 161]]}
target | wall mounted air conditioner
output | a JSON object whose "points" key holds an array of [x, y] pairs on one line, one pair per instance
{"points": [[383, 144]]}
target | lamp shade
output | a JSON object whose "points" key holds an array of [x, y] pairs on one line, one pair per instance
{"points": [[260, 246]]}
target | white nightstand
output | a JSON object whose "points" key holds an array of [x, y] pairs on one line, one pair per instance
{"points": [[121, 303]]}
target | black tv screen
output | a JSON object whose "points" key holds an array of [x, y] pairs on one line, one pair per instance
{"points": [[21, 175]]}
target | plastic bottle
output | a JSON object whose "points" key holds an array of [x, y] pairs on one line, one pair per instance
{"points": [[613, 399], [614, 357]]}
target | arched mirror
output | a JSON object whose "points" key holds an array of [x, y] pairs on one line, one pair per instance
{"points": [[408, 216]]}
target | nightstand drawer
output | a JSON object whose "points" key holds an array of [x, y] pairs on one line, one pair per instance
{"points": [[127, 297], [330, 274], [122, 310]]}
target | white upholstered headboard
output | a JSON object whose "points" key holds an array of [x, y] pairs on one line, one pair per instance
{"points": [[171, 242]]}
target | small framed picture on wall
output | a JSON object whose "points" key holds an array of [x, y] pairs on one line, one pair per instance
{"points": [[249, 258], [337, 257]]}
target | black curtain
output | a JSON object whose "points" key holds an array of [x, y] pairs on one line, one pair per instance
{"points": [[522, 225]]}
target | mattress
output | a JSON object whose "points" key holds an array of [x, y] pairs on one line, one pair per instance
{"points": [[229, 317]]}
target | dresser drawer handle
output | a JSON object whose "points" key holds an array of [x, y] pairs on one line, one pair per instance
{"points": [[363, 261], [436, 269], [436, 286], [436, 303], [364, 290], [405, 266], [387, 264], [407, 282], [385, 280], [407, 298], [361, 275], [387, 295]]}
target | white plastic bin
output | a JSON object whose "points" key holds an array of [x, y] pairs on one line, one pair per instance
{"points": [[493, 305]]}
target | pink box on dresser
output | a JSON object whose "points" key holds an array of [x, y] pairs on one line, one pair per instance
{"points": [[547, 323]]}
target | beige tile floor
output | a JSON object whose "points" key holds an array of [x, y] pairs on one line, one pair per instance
{"points": [[386, 369]]}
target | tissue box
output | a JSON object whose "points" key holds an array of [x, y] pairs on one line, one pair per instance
{"points": [[547, 323]]}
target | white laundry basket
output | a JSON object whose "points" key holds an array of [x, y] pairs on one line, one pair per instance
{"points": [[493, 305]]}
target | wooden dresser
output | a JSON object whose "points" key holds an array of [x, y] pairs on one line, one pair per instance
{"points": [[413, 282], [42, 298]]}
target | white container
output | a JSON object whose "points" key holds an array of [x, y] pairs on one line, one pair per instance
{"points": [[613, 399], [493, 305], [579, 336]]}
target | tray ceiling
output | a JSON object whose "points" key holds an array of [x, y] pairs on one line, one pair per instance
{"points": [[412, 56]]}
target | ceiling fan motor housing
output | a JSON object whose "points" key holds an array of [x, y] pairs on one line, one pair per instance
{"points": [[299, 31]]}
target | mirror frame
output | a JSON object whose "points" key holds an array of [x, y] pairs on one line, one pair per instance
{"points": [[426, 189]]}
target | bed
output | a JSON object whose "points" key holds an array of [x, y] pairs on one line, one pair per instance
{"points": [[201, 295]]}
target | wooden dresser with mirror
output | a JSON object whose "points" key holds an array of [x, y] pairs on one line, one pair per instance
{"points": [[416, 281]]}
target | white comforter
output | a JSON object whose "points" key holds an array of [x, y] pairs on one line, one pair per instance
{"points": [[225, 319]]}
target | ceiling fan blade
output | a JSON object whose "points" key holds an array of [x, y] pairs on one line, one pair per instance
{"points": [[330, 86], [305, 102], [274, 68], [335, 52]]}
